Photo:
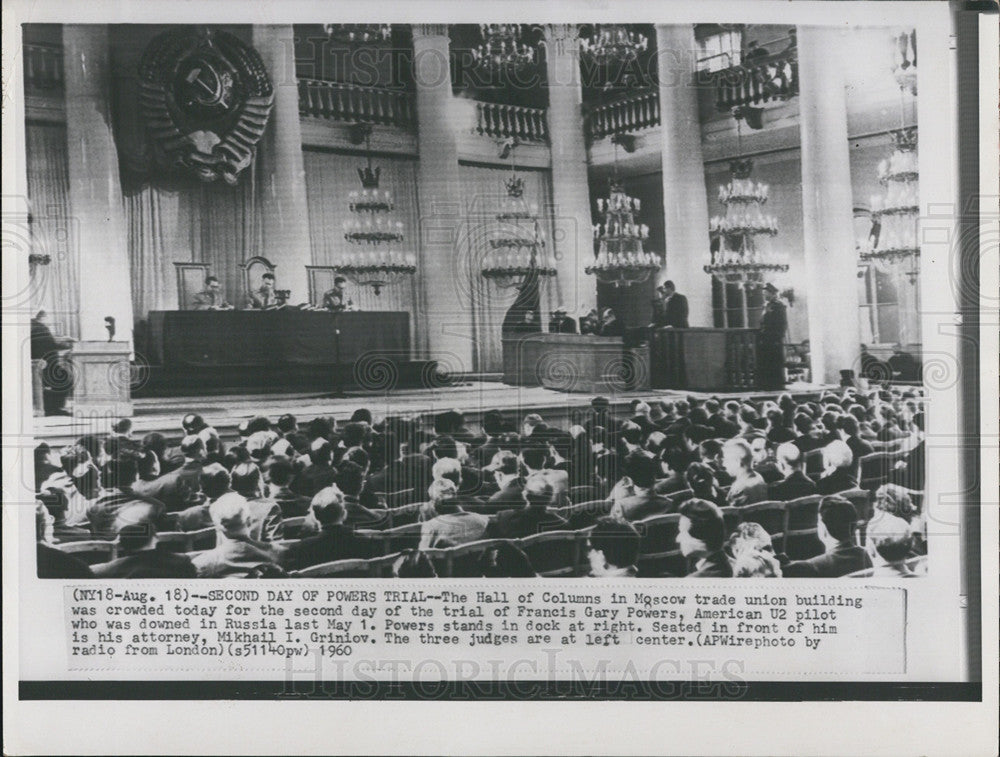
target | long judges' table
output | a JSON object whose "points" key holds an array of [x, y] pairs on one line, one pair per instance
{"points": [[274, 338]]}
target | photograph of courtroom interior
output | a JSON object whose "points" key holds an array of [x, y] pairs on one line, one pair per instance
{"points": [[496, 300]]}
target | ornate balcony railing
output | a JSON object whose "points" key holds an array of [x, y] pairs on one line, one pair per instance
{"points": [[628, 114], [43, 68], [501, 121], [758, 81], [351, 102]]}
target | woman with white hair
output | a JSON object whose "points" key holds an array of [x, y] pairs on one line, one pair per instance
{"points": [[890, 539], [838, 469], [235, 552]]}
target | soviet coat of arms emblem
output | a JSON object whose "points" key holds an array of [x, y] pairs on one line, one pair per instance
{"points": [[205, 97]]}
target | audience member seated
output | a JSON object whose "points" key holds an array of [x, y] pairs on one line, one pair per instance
{"points": [[763, 461], [138, 555], [795, 483], [57, 504], [280, 474], [700, 536], [505, 468], [452, 525], [633, 497], [413, 564], [181, 487], [534, 517], [215, 482], [51, 562], [835, 529], [838, 469], [754, 563], [235, 552], [120, 475], [350, 481], [535, 460], [335, 540], [265, 513], [613, 549], [747, 487], [890, 541]]}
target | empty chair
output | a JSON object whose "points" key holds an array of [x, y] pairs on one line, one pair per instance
{"points": [[556, 553], [659, 553], [90, 552]]}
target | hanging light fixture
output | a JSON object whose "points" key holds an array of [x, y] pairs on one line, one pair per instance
{"points": [[896, 211], [621, 260], [504, 48], [517, 248], [613, 44], [371, 231], [358, 34], [737, 257]]}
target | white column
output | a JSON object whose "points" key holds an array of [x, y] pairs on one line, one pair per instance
{"points": [[685, 202], [95, 196], [281, 177], [574, 245], [445, 306], [827, 207]]}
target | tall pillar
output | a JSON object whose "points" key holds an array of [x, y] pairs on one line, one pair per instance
{"points": [[445, 304], [574, 241], [685, 201], [95, 196], [827, 207], [281, 176]]}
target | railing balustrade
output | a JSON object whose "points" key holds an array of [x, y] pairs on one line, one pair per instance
{"points": [[43, 67], [627, 114], [352, 102], [521, 122], [758, 81]]}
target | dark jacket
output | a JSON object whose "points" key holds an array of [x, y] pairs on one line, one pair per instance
{"points": [[773, 322], [524, 521], [177, 490], [843, 559], [148, 563], [716, 565], [562, 325], [672, 312], [796, 484], [336, 542], [840, 480], [54, 563]]}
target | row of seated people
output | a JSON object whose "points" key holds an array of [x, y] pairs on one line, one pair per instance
{"points": [[700, 540], [277, 469]]}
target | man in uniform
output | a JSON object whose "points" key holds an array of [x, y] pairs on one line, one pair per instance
{"points": [[560, 323], [333, 299], [771, 341], [211, 297], [263, 297]]}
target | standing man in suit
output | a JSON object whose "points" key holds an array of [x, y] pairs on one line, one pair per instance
{"points": [[669, 307], [44, 346], [211, 297], [771, 341]]}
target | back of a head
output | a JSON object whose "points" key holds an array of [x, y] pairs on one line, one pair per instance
{"points": [[328, 506], [287, 423], [443, 494], [215, 481], [753, 563], [246, 480], [135, 525], [838, 516], [280, 471], [803, 423], [320, 451], [192, 446], [896, 500], [353, 434], [749, 536], [445, 446], [739, 451], [350, 478], [699, 478], [258, 423], [358, 456], [537, 491], [449, 468], [631, 432], [493, 423], [362, 415], [618, 540], [192, 423], [121, 471], [890, 536], [319, 428], [534, 456], [231, 514], [837, 454], [641, 468], [789, 454], [707, 523]]}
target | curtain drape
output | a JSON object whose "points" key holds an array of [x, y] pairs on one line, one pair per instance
{"points": [[482, 190], [55, 287], [330, 177]]}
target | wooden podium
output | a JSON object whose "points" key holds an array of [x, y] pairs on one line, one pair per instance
{"points": [[102, 380], [574, 363]]}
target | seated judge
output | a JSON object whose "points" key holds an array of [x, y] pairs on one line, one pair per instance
{"points": [[610, 325], [669, 307], [265, 296], [334, 299], [211, 297], [560, 323], [590, 322]]}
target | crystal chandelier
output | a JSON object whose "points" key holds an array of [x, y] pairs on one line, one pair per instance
{"points": [[358, 34], [503, 47], [613, 43], [372, 234], [896, 212], [904, 60], [737, 258], [517, 248], [621, 260]]}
